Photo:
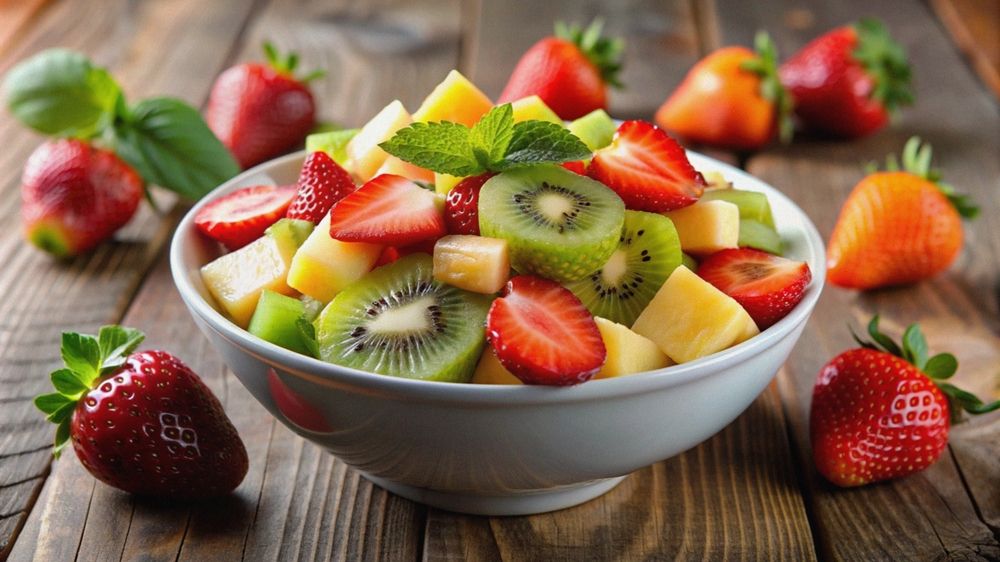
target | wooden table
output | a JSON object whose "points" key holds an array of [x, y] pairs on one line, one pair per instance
{"points": [[750, 492]]}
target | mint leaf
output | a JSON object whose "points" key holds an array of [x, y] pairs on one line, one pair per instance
{"points": [[170, 145], [491, 136], [535, 142], [443, 147], [333, 143], [60, 92], [116, 343], [82, 354]]}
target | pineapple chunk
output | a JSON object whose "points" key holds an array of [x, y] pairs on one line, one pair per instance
{"points": [[454, 99], [628, 352], [716, 180], [444, 182], [394, 165], [473, 263], [323, 266], [532, 107], [689, 318], [707, 226], [364, 156], [750, 330], [490, 371]]}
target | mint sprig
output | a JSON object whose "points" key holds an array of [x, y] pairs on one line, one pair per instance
{"points": [[494, 144], [87, 360]]}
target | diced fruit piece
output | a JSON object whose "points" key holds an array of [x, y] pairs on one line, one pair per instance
{"points": [[395, 166], [443, 183], [753, 205], [333, 143], [647, 169], [461, 209], [311, 307], [241, 217], [596, 129], [576, 166], [715, 180], [689, 262], [750, 330], [759, 236], [767, 286], [324, 266], [237, 279], [454, 99], [298, 231], [388, 255], [648, 251], [542, 333], [707, 226], [473, 263], [322, 182], [689, 318], [532, 107], [389, 210], [276, 320], [628, 352], [559, 225], [490, 371], [399, 321], [364, 155]]}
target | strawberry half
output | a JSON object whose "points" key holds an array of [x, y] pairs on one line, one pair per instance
{"points": [[576, 166], [461, 209], [242, 216], [767, 286], [647, 169], [389, 209], [322, 182], [543, 334]]}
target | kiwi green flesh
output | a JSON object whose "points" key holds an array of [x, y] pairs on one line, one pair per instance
{"points": [[648, 251], [595, 129], [757, 235], [291, 229], [557, 224], [689, 262], [275, 320], [399, 321], [752, 205]]}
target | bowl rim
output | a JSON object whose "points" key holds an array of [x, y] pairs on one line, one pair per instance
{"points": [[329, 374]]}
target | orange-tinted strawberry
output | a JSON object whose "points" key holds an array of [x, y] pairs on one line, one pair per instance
{"points": [[732, 98], [897, 227]]}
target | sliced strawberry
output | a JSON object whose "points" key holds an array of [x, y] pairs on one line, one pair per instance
{"points": [[242, 216], [389, 254], [390, 210], [577, 166], [322, 182], [461, 209], [767, 286], [543, 334], [648, 169]]}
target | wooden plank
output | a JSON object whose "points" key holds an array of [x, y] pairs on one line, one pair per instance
{"points": [[975, 27], [14, 19], [937, 513]]}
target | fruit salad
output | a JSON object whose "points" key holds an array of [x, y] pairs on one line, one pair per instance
{"points": [[496, 244]]}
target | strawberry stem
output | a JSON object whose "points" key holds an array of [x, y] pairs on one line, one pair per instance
{"points": [[603, 52], [885, 61], [766, 66], [916, 159], [287, 64]]}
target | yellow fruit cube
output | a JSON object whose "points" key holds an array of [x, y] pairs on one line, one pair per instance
{"points": [[490, 371], [750, 330], [444, 182], [474, 263], [628, 352], [323, 266], [689, 318], [716, 180], [455, 99], [532, 107], [394, 165], [364, 156], [707, 226]]}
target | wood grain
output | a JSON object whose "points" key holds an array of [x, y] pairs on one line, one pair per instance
{"points": [[15, 15]]}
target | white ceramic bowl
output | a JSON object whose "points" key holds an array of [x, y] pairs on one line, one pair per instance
{"points": [[499, 450]]}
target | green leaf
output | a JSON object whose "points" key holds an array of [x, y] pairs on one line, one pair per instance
{"points": [[535, 142], [60, 92], [63, 413], [82, 354], [493, 133], [308, 333], [333, 143], [915, 346], [443, 147], [941, 366], [49, 403], [882, 339], [170, 145], [967, 401], [62, 437], [116, 344], [68, 383]]}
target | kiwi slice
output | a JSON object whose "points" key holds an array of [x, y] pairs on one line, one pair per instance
{"points": [[752, 205], [648, 251], [689, 262], [399, 321], [757, 235], [595, 129], [558, 225], [275, 320]]}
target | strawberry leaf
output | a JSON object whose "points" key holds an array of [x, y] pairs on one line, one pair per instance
{"points": [[536, 142], [915, 346], [68, 383], [49, 403], [882, 340], [941, 366], [62, 437], [916, 159], [443, 147], [963, 400], [82, 354], [116, 344], [63, 413]]}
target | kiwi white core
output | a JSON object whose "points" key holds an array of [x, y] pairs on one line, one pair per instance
{"points": [[554, 206], [411, 317], [615, 268]]}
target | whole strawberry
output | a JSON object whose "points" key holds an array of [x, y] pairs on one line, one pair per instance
{"points": [[882, 411], [847, 82], [261, 110], [570, 71], [142, 422], [74, 196], [322, 182]]}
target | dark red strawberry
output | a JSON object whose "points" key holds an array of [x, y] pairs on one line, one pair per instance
{"points": [[648, 169], [142, 422], [390, 210], [847, 82], [241, 217], [75, 196], [576, 166], [388, 255], [261, 110], [570, 71], [883, 411], [767, 286], [543, 334], [322, 182], [461, 209]]}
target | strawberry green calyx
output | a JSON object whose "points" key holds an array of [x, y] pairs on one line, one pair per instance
{"points": [[88, 359], [916, 159], [938, 367], [765, 65], [885, 61], [287, 63], [603, 52]]}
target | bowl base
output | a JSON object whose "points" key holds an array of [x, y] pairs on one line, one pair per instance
{"points": [[523, 503]]}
